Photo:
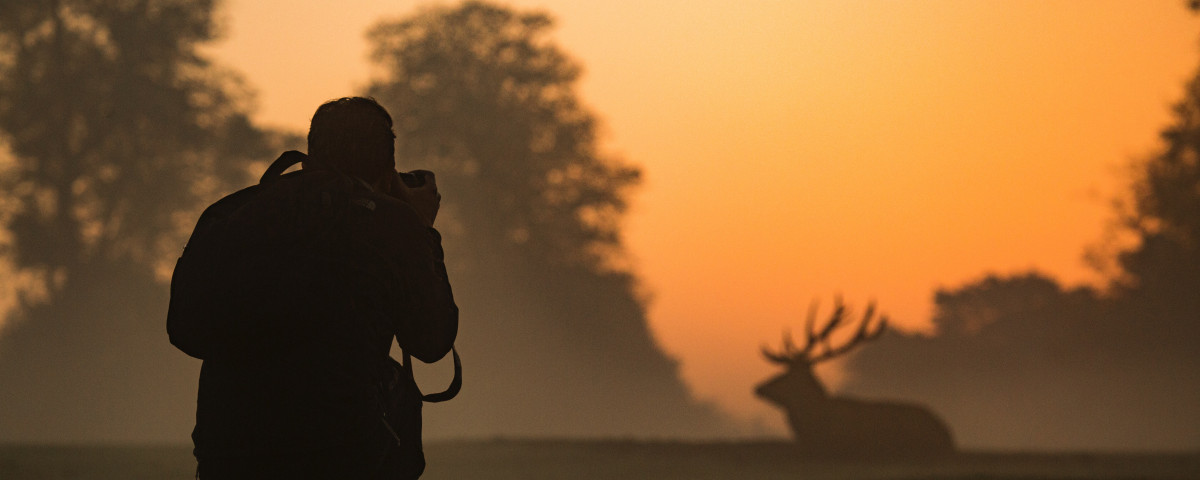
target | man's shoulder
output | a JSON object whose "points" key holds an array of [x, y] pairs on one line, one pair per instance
{"points": [[391, 216], [296, 193]]}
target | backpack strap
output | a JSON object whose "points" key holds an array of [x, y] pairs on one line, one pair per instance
{"points": [[285, 161], [292, 157]]}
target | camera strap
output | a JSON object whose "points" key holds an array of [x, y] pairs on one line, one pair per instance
{"points": [[450, 391]]}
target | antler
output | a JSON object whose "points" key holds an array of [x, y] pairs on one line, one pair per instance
{"points": [[866, 331], [785, 356]]}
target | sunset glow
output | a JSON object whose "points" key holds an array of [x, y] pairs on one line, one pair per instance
{"points": [[794, 150]]}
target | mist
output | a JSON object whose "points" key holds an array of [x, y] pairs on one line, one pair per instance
{"points": [[116, 131], [554, 333], [1021, 361]]}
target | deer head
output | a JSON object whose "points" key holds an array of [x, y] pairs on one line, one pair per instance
{"points": [[797, 388]]}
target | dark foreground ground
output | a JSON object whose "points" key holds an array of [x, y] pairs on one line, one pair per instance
{"points": [[614, 459]]}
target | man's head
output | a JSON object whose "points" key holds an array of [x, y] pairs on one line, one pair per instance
{"points": [[355, 135]]}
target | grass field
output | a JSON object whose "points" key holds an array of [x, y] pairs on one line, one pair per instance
{"points": [[615, 459]]}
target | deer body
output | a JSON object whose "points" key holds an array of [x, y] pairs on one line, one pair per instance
{"points": [[832, 426]]}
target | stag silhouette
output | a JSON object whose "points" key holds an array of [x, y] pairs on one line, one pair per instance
{"points": [[838, 426]]}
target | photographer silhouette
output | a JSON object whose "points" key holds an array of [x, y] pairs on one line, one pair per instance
{"points": [[292, 290]]}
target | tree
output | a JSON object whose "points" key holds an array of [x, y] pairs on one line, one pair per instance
{"points": [[1162, 272], [532, 209], [482, 95], [119, 130]]}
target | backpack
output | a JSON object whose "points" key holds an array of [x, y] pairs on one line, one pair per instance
{"points": [[403, 455], [195, 324]]}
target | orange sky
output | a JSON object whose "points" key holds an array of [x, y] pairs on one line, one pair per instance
{"points": [[796, 149]]}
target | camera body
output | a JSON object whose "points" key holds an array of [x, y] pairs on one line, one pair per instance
{"points": [[413, 179], [420, 191]]}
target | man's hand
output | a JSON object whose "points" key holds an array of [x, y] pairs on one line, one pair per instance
{"points": [[424, 199]]}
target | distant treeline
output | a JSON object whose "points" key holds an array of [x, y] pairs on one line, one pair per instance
{"points": [[1023, 361]]}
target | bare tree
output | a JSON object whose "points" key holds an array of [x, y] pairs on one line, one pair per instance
{"points": [[835, 426]]}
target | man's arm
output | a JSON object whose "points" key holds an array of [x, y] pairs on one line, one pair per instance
{"points": [[425, 318]]}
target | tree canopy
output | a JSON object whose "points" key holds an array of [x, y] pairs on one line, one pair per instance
{"points": [[483, 95], [116, 124], [117, 131], [1165, 215]]}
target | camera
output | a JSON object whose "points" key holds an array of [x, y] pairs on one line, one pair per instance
{"points": [[413, 179]]}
